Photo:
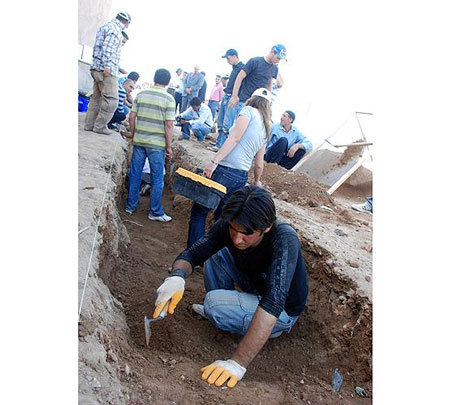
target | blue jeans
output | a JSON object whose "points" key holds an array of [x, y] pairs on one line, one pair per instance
{"points": [[127, 110], [231, 115], [220, 120], [178, 101], [157, 163], [228, 309], [277, 153], [186, 100], [233, 179], [214, 106], [200, 131]]}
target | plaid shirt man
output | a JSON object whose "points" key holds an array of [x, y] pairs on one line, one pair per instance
{"points": [[107, 49]]}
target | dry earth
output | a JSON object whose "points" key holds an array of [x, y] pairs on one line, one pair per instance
{"points": [[132, 255]]}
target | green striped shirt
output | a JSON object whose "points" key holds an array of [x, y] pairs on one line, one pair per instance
{"points": [[153, 107]]}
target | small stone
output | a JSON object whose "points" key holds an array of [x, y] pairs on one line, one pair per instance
{"points": [[302, 381], [172, 362], [352, 264], [127, 370], [284, 195], [183, 378], [367, 278], [340, 232], [148, 392]]}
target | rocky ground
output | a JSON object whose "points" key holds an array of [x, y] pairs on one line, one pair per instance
{"points": [[130, 256]]}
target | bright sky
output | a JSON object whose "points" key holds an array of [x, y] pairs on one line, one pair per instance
{"points": [[330, 52]]}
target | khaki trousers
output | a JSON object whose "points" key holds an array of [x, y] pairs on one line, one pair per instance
{"points": [[103, 103]]}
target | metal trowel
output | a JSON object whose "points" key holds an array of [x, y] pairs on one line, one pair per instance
{"points": [[148, 321]]}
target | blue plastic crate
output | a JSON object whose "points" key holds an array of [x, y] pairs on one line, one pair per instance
{"points": [[82, 104]]}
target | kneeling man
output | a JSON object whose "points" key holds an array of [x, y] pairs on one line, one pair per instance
{"points": [[248, 247]]}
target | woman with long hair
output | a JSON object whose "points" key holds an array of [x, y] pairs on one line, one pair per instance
{"points": [[230, 165]]}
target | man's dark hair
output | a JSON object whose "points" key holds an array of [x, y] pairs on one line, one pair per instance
{"points": [[203, 73], [291, 115], [133, 76], [179, 70], [162, 77], [252, 207], [124, 34], [195, 102]]}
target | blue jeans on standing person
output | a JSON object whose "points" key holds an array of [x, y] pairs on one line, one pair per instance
{"points": [[178, 101], [220, 120], [214, 106], [229, 309], [231, 116], [232, 179], [157, 163]]}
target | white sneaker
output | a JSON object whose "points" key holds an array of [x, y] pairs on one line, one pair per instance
{"points": [[129, 211], [199, 309], [362, 207], [161, 218]]}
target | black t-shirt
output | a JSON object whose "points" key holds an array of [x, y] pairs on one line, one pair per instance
{"points": [[233, 76], [258, 74], [275, 267]]}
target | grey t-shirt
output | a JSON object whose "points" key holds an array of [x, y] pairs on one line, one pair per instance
{"points": [[258, 74], [241, 156]]}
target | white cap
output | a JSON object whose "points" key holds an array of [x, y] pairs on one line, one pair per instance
{"points": [[262, 92]]}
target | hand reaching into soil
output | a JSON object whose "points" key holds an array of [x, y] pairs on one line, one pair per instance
{"points": [[223, 370]]}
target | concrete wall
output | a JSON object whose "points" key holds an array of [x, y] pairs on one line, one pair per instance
{"points": [[92, 14]]}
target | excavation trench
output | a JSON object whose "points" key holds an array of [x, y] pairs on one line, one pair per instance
{"points": [[333, 332]]}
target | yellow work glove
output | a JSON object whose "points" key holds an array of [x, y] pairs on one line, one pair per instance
{"points": [[170, 291], [222, 370]]}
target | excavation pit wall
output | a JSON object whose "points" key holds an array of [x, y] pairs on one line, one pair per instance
{"points": [[116, 366]]}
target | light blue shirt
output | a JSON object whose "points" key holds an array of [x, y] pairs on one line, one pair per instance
{"points": [[201, 117], [293, 136], [241, 156]]}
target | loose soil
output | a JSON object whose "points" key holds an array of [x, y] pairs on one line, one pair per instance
{"points": [[333, 332]]}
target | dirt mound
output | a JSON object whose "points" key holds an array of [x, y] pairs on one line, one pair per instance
{"points": [[294, 187]]}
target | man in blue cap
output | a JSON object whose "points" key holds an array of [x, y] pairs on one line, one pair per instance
{"points": [[257, 72]]}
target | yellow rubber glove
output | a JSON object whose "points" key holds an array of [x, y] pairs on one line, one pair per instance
{"points": [[170, 291], [222, 370]]}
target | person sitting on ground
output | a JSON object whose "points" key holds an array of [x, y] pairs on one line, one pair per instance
{"points": [[119, 115], [248, 247], [365, 207], [230, 165], [151, 129], [286, 145], [197, 117]]}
